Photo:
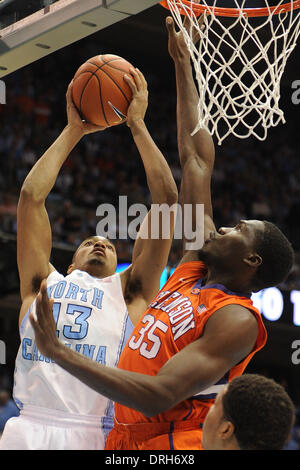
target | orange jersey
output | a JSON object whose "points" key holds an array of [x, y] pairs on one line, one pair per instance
{"points": [[174, 319]]}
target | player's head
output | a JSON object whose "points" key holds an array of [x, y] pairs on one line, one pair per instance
{"points": [[95, 255], [251, 413], [255, 251]]}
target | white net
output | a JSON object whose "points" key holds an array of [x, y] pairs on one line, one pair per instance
{"points": [[239, 63]]}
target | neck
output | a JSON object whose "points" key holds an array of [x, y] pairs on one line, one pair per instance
{"points": [[96, 270], [241, 285]]}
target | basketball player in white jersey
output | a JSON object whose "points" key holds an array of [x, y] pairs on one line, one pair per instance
{"points": [[94, 308]]}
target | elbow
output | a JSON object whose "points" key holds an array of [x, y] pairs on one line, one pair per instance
{"points": [[162, 399], [170, 191], [157, 408], [154, 411], [151, 411], [30, 194], [165, 195], [163, 187], [171, 195]]}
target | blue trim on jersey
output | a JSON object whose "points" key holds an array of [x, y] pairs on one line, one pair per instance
{"points": [[25, 318], [198, 284], [190, 411], [18, 403], [223, 380], [110, 411], [107, 421], [209, 396], [221, 287], [126, 332], [171, 442]]}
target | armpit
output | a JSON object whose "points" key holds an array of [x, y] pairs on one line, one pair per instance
{"points": [[133, 289], [36, 283]]}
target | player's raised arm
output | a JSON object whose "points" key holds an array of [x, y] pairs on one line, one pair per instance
{"points": [[196, 152], [34, 240], [151, 250], [195, 368]]}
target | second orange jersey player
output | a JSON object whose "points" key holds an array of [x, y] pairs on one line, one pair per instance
{"points": [[175, 318]]}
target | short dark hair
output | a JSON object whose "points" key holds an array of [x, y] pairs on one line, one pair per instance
{"points": [[277, 257], [260, 410]]}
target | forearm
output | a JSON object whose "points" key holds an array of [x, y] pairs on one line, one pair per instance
{"points": [[159, 176], [43, 175], [148, 394], [200, 145], [143, 393]]}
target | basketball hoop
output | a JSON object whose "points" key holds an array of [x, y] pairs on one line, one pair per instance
{"points": [[233, 12], [239, 62]]}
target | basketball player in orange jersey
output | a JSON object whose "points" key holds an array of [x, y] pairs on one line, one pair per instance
{"points": [[94, 306], [202, 329]]}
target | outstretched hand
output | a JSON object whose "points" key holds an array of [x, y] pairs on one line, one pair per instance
{"points": [[44, 324], [177, 45], [74, 118]]}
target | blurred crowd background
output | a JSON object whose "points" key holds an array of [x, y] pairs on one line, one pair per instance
{"points": [[251, 179]]}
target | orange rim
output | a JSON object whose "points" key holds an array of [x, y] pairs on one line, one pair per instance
{"points": [[234, 12]]}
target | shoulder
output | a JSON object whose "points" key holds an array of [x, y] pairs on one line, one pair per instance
{"points": [[230, 334], [234, 317], [233, 320]]}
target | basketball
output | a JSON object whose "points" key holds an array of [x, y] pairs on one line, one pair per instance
{"points": [[100, 92]]}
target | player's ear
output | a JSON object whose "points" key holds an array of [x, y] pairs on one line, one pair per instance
{"points": [[70, 268], [253, 260], [226, 430]]}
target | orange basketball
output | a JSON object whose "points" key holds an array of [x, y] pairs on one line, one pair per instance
{"points": [[100, 92]]}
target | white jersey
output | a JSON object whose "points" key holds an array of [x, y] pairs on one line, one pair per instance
{"points": [[91, 318]]}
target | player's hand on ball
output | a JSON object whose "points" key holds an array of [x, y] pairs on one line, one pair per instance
{"points": [[138, 106], [44, 324], [74, 118]]}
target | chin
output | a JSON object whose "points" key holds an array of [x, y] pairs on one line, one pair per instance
{"points": [[203, 255], [96, 262], [209, 258]]}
